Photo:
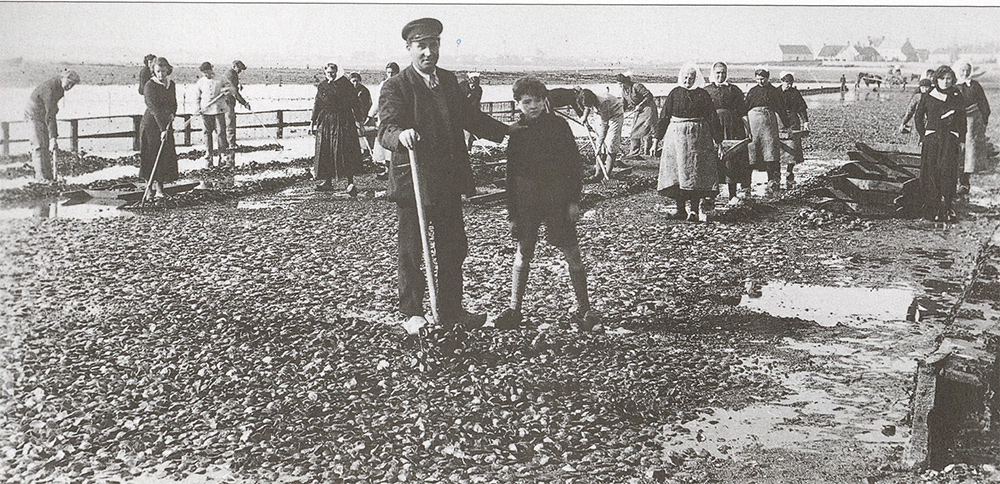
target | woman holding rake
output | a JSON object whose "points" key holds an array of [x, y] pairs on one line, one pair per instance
{"points": [[157, 153]]}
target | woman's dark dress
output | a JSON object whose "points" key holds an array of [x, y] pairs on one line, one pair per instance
{"points": [[730, 109], [689, 129], [161, 105], [338, 148], [940, 120]]}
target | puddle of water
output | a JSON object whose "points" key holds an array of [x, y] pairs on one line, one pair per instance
{"points": [[819, 409], [54, 208], [867, 353], [829, 305]]}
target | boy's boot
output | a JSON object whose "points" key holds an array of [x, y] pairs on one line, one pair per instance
{"points": [[586, 321], [509, 319]]}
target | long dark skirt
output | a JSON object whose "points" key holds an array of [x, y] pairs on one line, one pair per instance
{"points": [[149, 146], [736, 167], [338, 148], [940, 159]]}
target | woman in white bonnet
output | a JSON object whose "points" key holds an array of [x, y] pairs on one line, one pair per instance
{"points": [[690, 132], [977, 116]]}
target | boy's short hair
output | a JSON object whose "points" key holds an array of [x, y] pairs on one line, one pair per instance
{"points": [[529, 86], [354, 75], [205, 67]]}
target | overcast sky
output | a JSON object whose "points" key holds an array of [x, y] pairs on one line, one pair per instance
{"points": [[299, 34]]}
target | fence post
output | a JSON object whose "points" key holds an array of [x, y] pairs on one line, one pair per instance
{"points": [[281, 122], [137, 126], [187, 130], [5, 133], [74, 135]]}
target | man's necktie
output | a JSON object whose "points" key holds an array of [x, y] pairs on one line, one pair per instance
{"points": [[433, 84]]}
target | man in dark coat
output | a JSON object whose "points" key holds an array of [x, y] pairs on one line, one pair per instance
{"points": [[43, 104], [364, 105], [232, 83], [424, 109]]}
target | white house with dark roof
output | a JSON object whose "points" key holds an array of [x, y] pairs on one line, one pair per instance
{"points": [[829, 52], [792, 53]]}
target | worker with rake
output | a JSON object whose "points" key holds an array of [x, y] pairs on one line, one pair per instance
{"points": [[643, 105], [423, 112], [157, 153], [43, 104], [213, 115]]}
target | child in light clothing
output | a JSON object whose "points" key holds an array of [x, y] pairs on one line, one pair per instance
{"points": [[213, 112], [543, 186]]}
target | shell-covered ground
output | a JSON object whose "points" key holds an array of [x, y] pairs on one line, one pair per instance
{"points": [[258, 344]]}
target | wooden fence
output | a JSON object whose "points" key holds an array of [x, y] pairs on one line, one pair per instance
{"points": [[504, 111]]}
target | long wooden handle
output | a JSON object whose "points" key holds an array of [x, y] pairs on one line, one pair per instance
{"points": [[425, 239]]}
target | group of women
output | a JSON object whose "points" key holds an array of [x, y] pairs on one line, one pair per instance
{"points": [[693, 124], [694, 121]]}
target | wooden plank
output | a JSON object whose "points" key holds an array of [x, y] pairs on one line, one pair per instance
{"points": [[135, 193], [909, 149], [877, 185], [862, 170], [623, 172], [730, 148], [894, 171], [488, 197]]}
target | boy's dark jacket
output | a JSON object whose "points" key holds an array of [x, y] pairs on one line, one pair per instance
{"points": [[545, 152], [406, 102]]}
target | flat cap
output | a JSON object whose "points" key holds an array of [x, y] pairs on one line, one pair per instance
{"points": [[239, 65], [205, 66], [423, 28], [926, 82]]}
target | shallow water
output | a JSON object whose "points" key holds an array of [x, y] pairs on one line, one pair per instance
{"points": [[55, 208], [830, 305]]}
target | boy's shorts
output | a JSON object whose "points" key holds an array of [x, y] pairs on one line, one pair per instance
{"points": [[535, 207]]}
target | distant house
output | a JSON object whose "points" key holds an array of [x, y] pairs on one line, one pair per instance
{"points": [[978, 55], [923, 55], [869, 54], [911, 53], [792, 53], [829, 52]]}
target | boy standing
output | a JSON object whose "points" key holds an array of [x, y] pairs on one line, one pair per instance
{"points": [[213, 112], [543, 185]]}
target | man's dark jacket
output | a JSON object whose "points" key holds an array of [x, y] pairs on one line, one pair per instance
{"points": [[406, 102]]}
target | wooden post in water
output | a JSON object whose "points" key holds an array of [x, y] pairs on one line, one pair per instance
{"points": [[187, 129], [5, 134], [137, 126], [281, 122], [74, 135]]}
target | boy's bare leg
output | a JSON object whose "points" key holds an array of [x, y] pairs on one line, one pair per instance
{"points": [[577, 276], [519, 276]]}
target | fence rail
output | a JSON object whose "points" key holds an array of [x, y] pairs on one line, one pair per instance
{"points": [[504, 111]]}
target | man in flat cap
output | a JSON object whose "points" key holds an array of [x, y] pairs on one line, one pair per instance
{"points": [[232, 82], [424, 109], [43, 104]]}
